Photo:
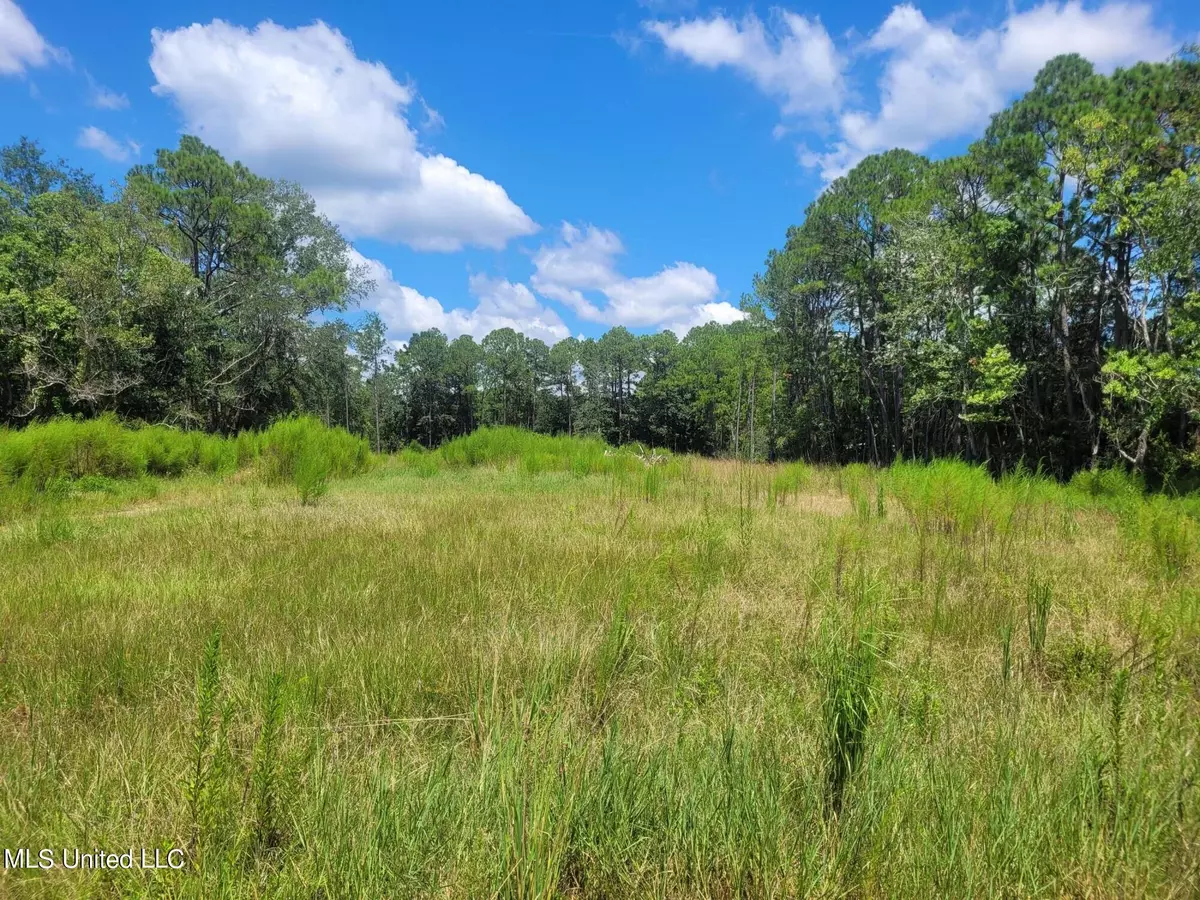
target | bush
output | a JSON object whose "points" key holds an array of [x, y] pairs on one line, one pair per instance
{"points": [[1163, 527], [311, 477], [949, 495], [789, 479], [534, 454], [1079, 662], [1109, 483], [65, 448], [35, 459], [285, 443]]}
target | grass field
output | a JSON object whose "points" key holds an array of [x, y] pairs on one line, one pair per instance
{"points": [[524, 668]]}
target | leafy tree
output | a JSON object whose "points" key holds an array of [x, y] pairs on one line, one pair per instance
{"points": [[370, 342]]}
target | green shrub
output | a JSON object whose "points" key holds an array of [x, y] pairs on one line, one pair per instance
{"points": [[70, 449], [789, 479], [1114, 484], [537, 453], [1166, 533], [1079, 661], [306, 452], [37, 458], [950, 496], [311, 476]]}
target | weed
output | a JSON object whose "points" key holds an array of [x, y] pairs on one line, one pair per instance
{"points": [[1116, 759], [848, 699], [1038, 599], [1079, 662], [311, 476], [199, 781], [265, 774], [613, 658]]}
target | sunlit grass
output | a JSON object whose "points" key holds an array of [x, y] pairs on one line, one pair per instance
{"points": [[524, 666]]}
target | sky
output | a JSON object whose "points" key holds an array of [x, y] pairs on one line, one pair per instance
{"points": [[558, 168]]}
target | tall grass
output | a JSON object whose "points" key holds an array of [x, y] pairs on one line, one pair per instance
{"points": [[513, 678], [533, 454], [1038, 599], [45, 456], [71, 449]]}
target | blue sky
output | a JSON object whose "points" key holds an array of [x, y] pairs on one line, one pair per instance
{"points": [[557, 167]]}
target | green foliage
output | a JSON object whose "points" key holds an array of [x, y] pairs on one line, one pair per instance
{"points": [[849, 679], [613, 659], [1038, 600], [1115, 485], [90, 454], [998, 380], [487, 683], [1165, 529], [1079, 662], [67, 449], [265, 774], [308, 454], [198, 787], [950, 496], [788, 481], [537, 453], [311, 475]]}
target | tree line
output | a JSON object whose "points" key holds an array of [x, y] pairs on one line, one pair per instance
{"points": [[1032, 301]]}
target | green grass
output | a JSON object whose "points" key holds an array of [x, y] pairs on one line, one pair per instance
{"points": [[65, 456], [523, 666]]}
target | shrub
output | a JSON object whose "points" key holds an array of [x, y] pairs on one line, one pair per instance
{"points": [[306, 452], [70, 449], [789, 479], [1109, 484], [311, 477], [950, 496], [1079, 661], [37, 458], [1166, 531], [537, 453]]}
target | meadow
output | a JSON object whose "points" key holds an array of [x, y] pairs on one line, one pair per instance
{"points": [[522, 666]]}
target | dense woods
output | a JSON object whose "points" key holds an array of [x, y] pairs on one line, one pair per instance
{"points": [[1034, 300]]}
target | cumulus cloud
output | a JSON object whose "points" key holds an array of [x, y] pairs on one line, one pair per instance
{"points": [[499, 304], [106, 145], [939, 84], [795, 62], [935, 82], [20, 44], [583, 262], [298, 103]]}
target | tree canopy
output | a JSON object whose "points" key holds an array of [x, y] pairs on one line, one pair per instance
{"points": [[1033, 301]]}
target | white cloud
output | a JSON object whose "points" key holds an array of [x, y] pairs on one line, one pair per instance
{"points": [[584, 262], [20, 44], [106, 145], [798, 63], [499, 304], [298, 103], [936, 83], [722, 313], [102, 98]]}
